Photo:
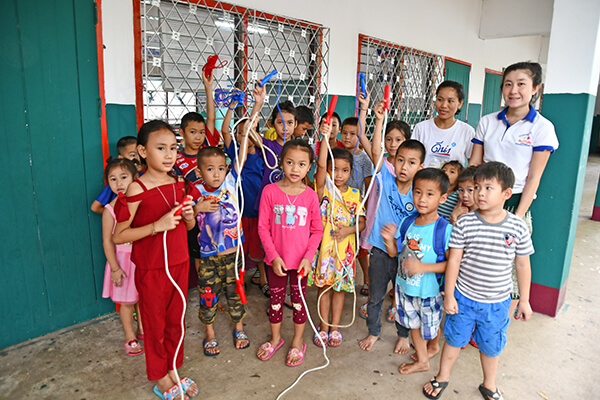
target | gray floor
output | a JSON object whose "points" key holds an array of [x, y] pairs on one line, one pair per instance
{"points": [[546, 358]]}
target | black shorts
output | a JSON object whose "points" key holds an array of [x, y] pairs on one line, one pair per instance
{"points": [[192, 239]]}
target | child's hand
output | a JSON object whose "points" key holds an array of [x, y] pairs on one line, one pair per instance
{"points": [[208, 82], [379, 110], [339, 233], [412, 266], [388, 232], [305, 267], [364, 100], [458, 211], [450, 305], [260, 92], [279, 267], [188, 210], [524, 311], [116, 276], [168, 221], [207, 206], [325, 130]]}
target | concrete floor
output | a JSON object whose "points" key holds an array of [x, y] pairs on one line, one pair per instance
{"points": [[546, 358]]}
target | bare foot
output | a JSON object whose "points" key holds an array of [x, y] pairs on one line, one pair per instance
{"points": [[166, 383], [434, 392], [402, 346], [410, 368], [432, 349], [368, 342]]}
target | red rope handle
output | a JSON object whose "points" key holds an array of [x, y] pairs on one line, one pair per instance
{"points": [[211, 63]]}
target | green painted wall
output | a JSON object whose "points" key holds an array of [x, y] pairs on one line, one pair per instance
{"points": [[595, 135], [556, 209], [51, 256], [120, 121], [474, 114], [492, 97], [345, 106]]}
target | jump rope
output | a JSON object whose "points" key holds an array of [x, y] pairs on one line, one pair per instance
{"points": [[239, 275]]}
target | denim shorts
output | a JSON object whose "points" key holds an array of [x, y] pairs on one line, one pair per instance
{"points": [[487, 322]]}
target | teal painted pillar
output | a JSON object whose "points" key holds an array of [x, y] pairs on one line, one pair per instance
{"points": [[596, 212], [569, 100]]}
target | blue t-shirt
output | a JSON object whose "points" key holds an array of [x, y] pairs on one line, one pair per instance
{"points": [[105, 196], [392, 206], [218, 230], [252, 175], [418, 243]]}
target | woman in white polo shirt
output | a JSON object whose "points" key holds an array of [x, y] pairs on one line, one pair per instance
{"points": [[445, 138]]}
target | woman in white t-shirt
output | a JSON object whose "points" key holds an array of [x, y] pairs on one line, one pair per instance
{"points": [[445, 138]]}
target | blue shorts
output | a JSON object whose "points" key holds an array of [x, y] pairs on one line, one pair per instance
{"points": [[486, 321]]}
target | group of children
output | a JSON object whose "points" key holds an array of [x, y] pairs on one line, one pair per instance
{"points": [[440, 234]]}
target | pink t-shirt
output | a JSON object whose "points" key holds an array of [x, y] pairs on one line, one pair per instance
{"points": [[289, 227]]}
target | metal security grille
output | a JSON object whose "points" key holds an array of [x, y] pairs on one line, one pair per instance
{"points": [[178, 36], [413, 76]]}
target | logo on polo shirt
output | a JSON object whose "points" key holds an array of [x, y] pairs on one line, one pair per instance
{"points": [[524, 140], [509, 239]]}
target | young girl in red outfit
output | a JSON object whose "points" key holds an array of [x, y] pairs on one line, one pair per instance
{"points": [[144, 215]]}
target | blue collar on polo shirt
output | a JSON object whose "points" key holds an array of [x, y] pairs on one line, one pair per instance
{"points": [[529, 117]]}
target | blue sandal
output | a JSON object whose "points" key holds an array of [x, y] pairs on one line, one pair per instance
{"points": [[173, 392], [240, 335], [211, 344]]}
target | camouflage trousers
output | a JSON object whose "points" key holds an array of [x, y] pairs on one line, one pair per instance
{"points": [[215, 275]]}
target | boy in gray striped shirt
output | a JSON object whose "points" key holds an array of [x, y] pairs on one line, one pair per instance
{"points": [[483, 245]]}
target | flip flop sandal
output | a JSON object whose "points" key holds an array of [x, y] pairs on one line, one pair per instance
{"points": [[240, 335], [364, 291], [170, 394], [362, 311], [270, 349], [335, 335], [211, 344], [473, 343], [323, 335], [140, 336], [436, 385], [391, 314], [264, 289], [295, 353], [488, 394], [256, 278], [186, 383], [131, 346]]}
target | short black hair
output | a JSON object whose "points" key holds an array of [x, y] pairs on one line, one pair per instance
{"points": [[189, 117], [412, 144], [352, 121], [343, 154], [460, 90], [304, 114], [297, 143], [334, 115], [401, 126], [286, 106], [468, 174], [496, 170], [456, 164], [210, 151], [434, 175], [124, 142]]}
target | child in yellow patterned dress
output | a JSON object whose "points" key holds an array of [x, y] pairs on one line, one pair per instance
{"points": [[334, 269]]}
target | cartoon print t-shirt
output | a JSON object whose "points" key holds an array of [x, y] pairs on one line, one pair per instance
{"points": [[418, 243], [218, 230]]}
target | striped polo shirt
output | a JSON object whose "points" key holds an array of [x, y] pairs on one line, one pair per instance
{"points": [[485, 273]]}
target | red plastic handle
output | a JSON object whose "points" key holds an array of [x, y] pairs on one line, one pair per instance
{"points": [[386, 97], [186, 198], [331, 110], [239, 282]]}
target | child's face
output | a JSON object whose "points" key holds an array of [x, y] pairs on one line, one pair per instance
{"points": [[119, 179], [130, 152], [452, 172], [296, 164], [427, 196], [342, 171], [393, 140], [335, 129], [446, 103], [194, 135], [350, 137], [285, 128], [518, 89], [301, 129], [408, 163], [213, 170], [241, 131], [160, 151], [466, 191], [489, 195]]}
